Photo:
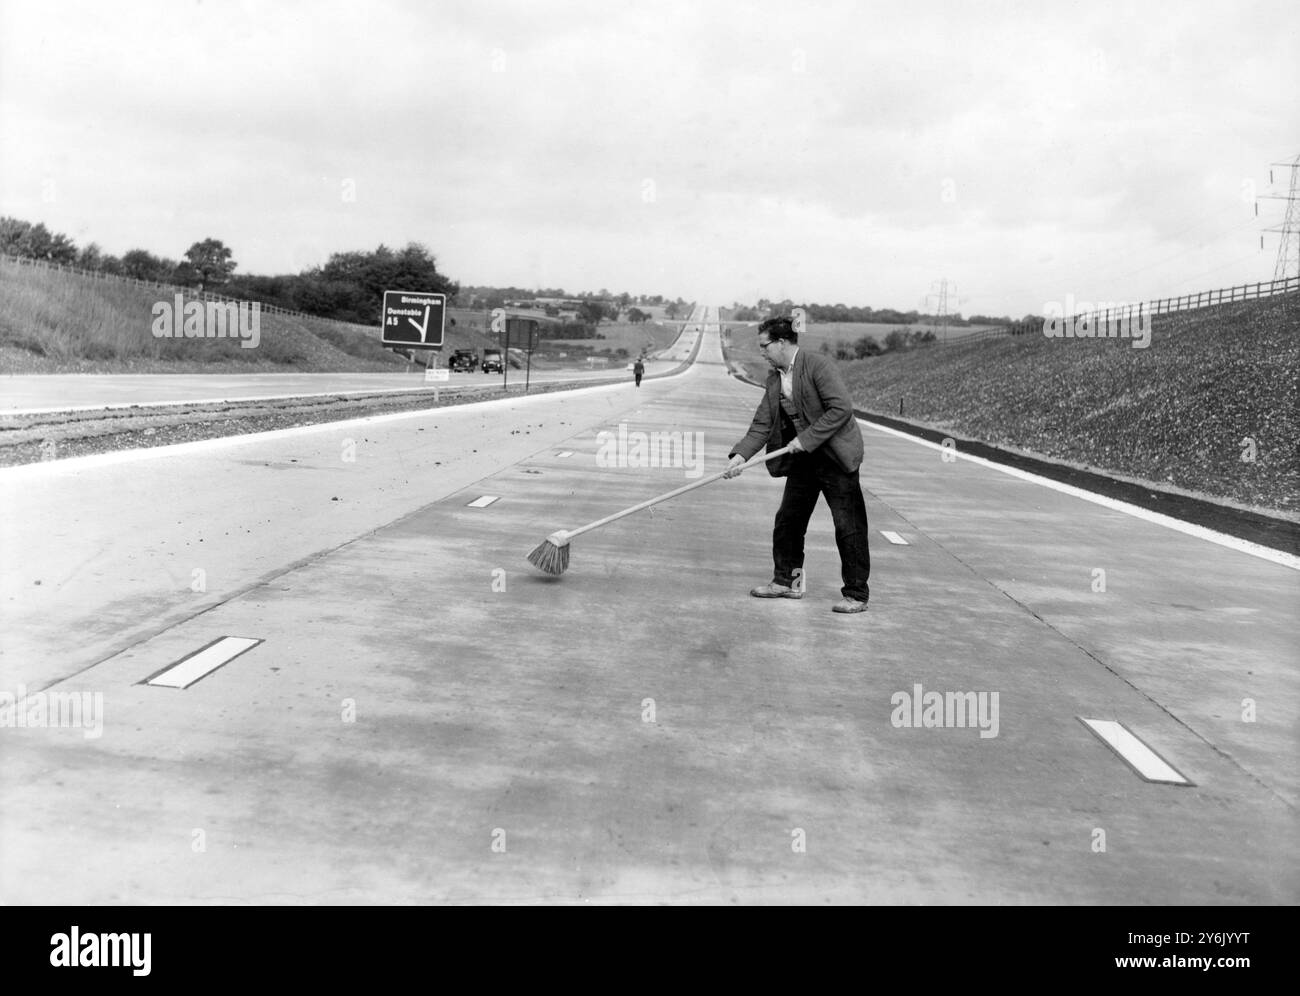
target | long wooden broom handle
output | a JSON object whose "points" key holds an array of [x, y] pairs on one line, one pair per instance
{"points": [[761, 458]]}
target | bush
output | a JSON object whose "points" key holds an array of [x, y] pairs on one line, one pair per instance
{"points": [[897, 339], [866, 346]]}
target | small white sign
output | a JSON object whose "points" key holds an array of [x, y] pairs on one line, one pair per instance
{"points": [[434, 375]]}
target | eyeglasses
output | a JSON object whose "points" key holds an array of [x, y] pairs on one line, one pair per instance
{"points": [[764, 345]]}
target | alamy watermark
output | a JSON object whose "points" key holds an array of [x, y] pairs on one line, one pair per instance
{"points": [[53, 710], [1101, 320], [682, 450], [945, 710], [179, 319], [95, 949]]}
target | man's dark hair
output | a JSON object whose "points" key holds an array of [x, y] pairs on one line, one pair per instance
{"points": [[779, 328]]}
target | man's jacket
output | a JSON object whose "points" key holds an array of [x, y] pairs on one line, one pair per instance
{"points": [[821, 399]]}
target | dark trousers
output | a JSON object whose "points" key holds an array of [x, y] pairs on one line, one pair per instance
{"points": [[638, 380], [812, 475]]}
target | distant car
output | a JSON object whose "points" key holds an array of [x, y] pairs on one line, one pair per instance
{"points": [[492, 362], [463, 361]]}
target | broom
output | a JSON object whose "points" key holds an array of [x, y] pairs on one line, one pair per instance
{"points": [[553, 555]]}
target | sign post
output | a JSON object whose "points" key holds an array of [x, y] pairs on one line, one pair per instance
{"points": [[532, 344], [528, 328], [506, 327], [502, 328]]}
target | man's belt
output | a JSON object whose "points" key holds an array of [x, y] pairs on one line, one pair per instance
{"points": [[791, 423]]}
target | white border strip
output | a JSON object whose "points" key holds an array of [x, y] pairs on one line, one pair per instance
{"points": [[239, 399], [1141, 758], [93, 460], [894, 538], [412, 387], [483, 501], [1199, 532], [202, 662]]}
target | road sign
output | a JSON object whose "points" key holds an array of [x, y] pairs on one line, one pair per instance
{"points": [[434, 374], [413, 319], [523, 332]]}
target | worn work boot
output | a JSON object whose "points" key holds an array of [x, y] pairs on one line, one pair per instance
{"points": [[774, 590]]}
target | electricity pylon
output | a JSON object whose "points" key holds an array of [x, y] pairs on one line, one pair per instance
{"points": [[1288, 249]]}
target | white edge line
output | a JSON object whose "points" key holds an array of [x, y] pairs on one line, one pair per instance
{"points": [[1191, 529], [93, 460]]}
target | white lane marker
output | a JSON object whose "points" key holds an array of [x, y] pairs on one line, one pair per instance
{"points": [[202, 662], [564, 453], [894, 538], [483, 501], [1188, 528], [1141, 758]]}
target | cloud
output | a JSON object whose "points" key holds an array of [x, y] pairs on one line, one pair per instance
{"points": [[720, 147]]}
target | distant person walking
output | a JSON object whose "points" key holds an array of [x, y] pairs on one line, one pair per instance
{"points": [[806, 404], [638, 370]]}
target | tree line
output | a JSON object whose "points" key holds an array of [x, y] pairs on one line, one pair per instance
{"points": [[348, 287], [846, 313]]}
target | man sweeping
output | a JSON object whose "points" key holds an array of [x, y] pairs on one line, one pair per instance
{"points": [[806, 404]]}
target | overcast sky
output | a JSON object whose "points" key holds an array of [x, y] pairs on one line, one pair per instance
{"points": [[720, 151]]}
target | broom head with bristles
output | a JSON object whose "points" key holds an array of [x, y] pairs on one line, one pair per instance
{"points": [[553, 555]]}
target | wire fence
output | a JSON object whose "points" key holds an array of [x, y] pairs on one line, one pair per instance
{"points": [[1161, 306]]}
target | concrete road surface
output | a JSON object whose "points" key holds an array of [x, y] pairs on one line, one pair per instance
{"points": [[425, 718], [28, 393]]}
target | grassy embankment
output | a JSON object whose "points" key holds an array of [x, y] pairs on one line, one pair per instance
{"points": [[58, 322], [1214, 386]]}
